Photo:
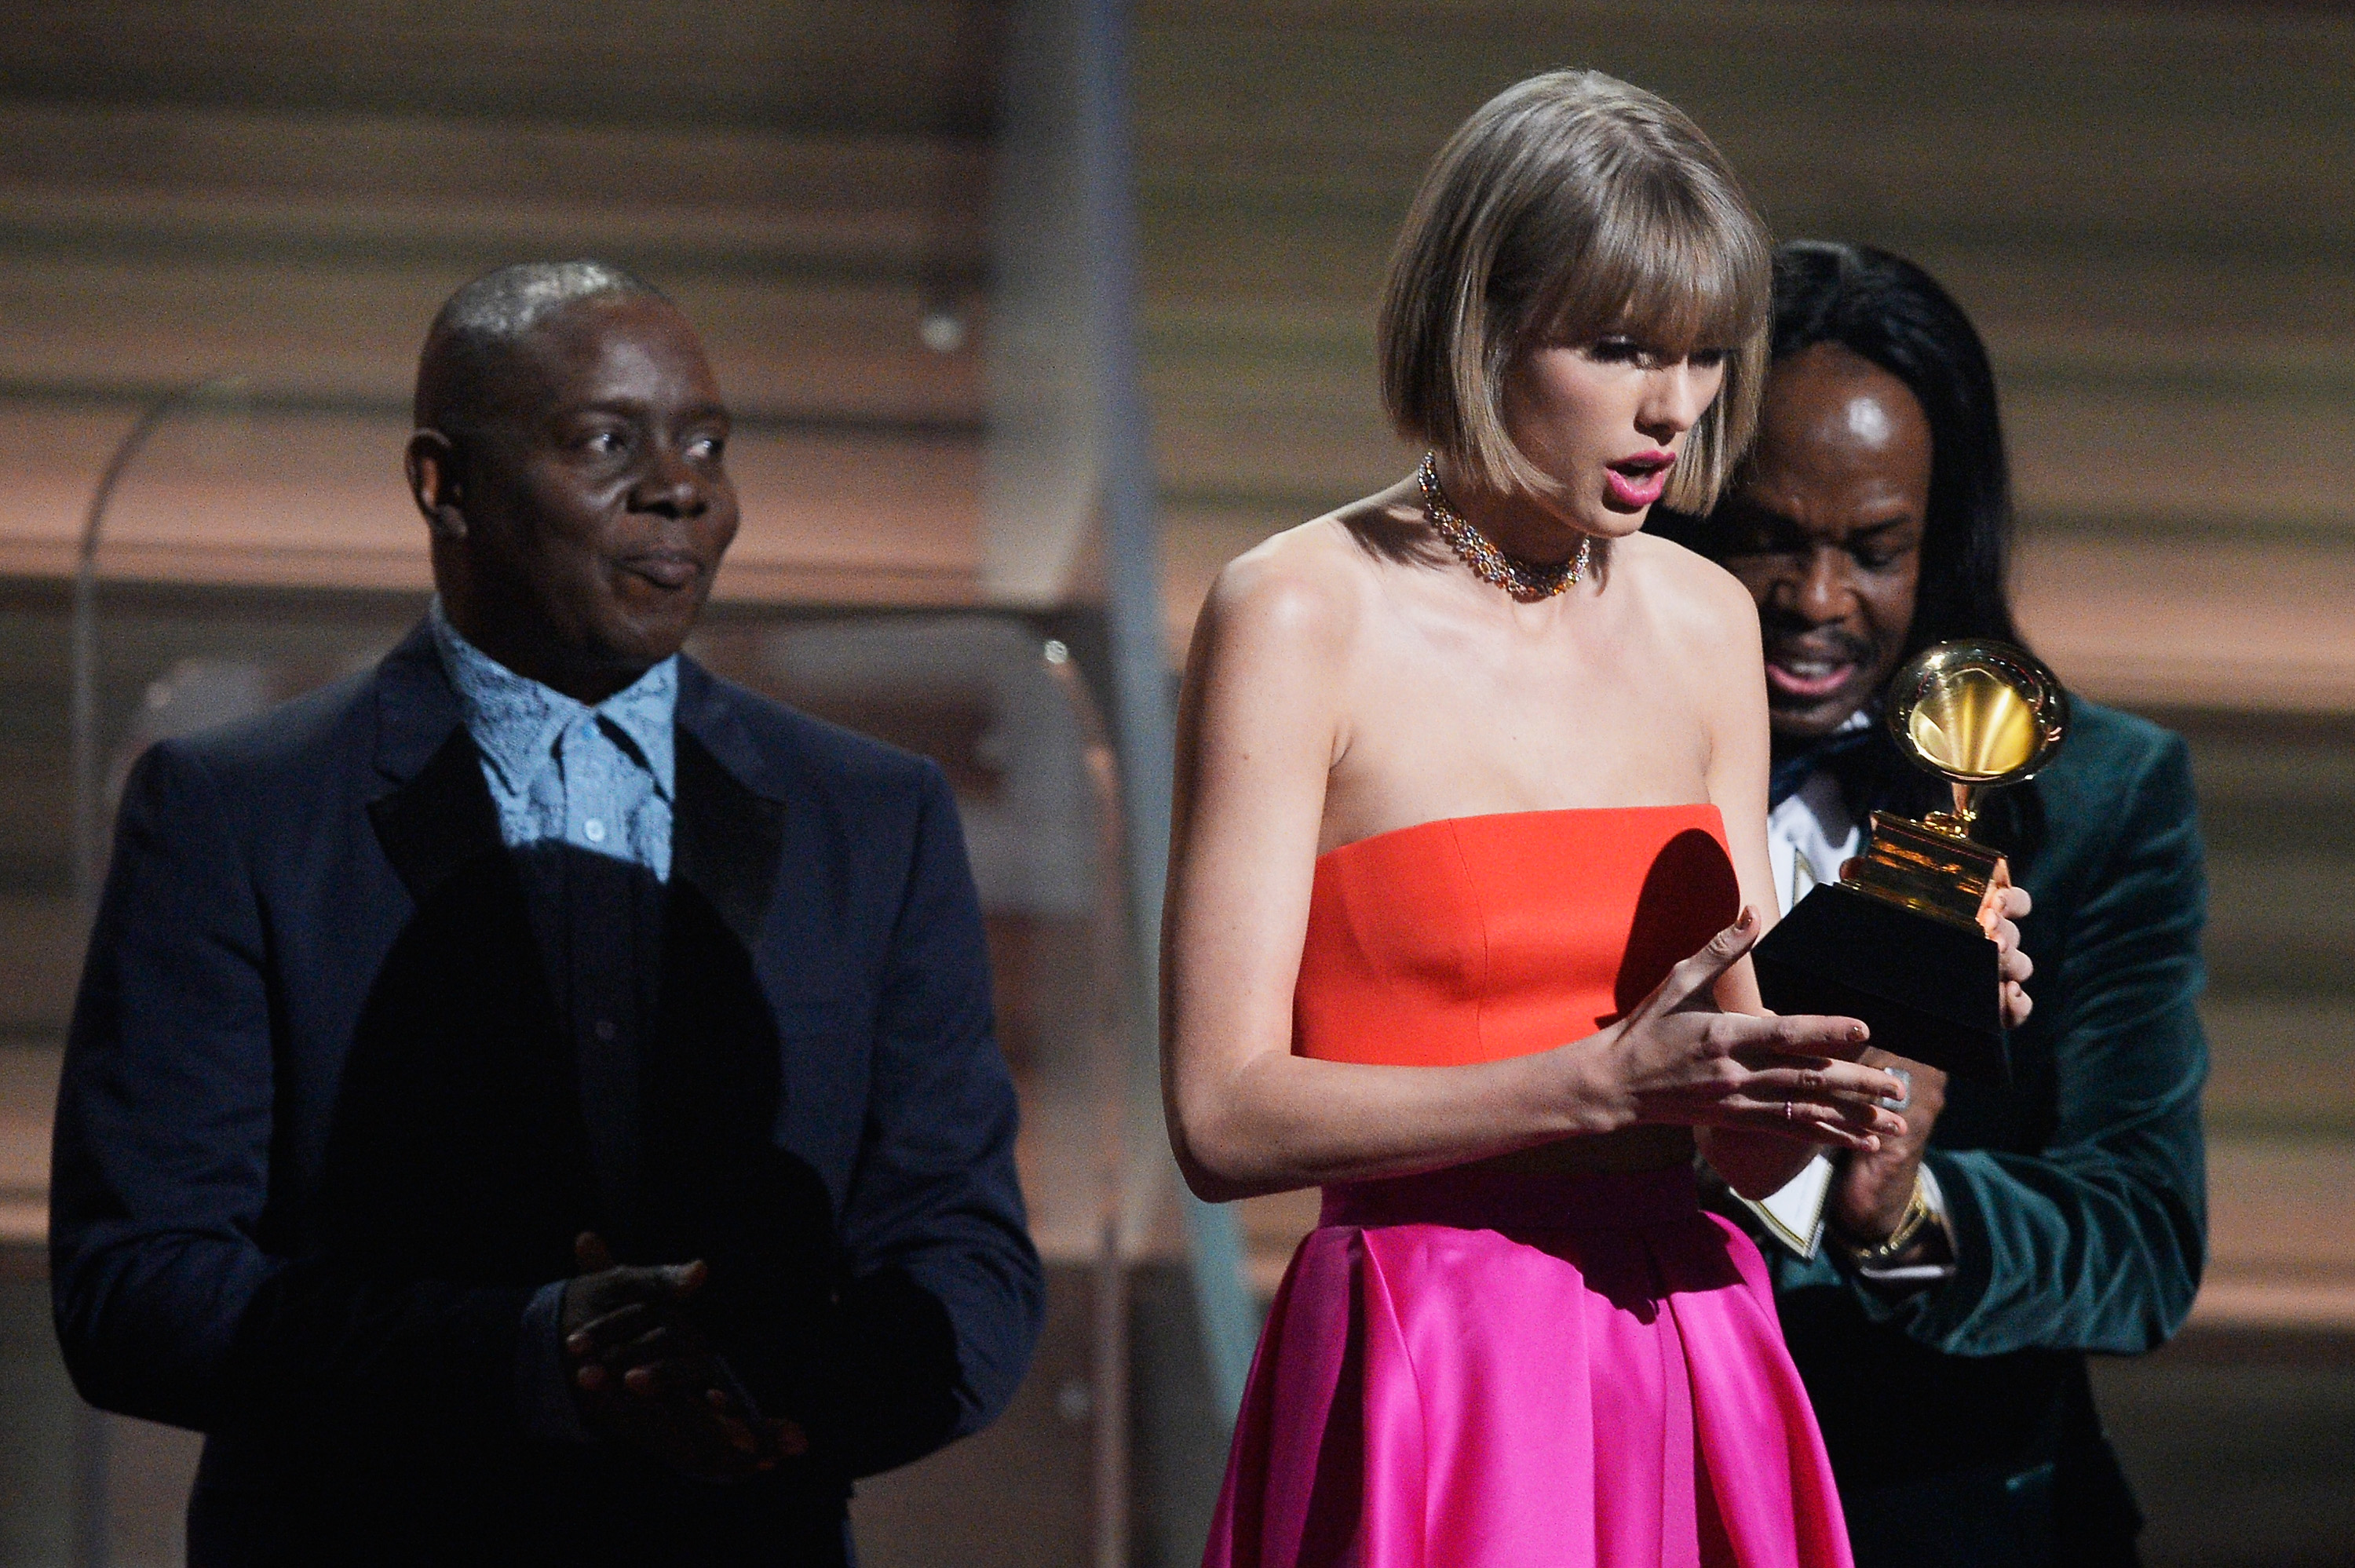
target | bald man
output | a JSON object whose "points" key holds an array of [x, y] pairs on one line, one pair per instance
{"points": [[534, 1102]]}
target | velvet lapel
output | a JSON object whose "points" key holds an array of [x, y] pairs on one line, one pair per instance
{"points": [[728, 822], [712, 1085], [727, 845], [727, 826], [438, 814], [437, 822]]}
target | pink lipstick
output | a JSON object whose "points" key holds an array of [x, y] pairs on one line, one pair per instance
{"points": [[1636, 483]]}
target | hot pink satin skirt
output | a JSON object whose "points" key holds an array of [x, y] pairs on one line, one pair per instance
{"points": [[1468, 1369]]}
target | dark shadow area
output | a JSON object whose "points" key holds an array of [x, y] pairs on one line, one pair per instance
{"points": [[478, 1124], [1689, 896]]}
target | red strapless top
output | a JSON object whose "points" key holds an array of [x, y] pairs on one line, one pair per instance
{"points": [[1476, 938]]}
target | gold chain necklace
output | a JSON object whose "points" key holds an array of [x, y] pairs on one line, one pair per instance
{"points": [[1525, 580]]}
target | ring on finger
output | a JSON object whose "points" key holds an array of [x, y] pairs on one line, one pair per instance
{"points": [[1901, 1101]]}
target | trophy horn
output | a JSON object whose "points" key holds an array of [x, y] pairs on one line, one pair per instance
{"points": [[1976, 712], [1900, 939]]}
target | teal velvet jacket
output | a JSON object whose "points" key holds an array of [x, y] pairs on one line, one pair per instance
{"points": [[1959, 1419]]}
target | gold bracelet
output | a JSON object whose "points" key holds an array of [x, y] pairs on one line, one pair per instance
{"points": [[1918, 1214]]}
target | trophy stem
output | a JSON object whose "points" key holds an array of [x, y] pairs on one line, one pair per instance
{"points": [[1957, 823]]}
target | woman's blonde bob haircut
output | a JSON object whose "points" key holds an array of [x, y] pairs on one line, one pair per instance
{"points": [[1572, 207]]}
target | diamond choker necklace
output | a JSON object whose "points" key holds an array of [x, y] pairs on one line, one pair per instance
{"points": [[1524, 580]]}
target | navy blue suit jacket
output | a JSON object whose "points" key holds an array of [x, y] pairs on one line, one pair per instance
{"points": [[322, 1132]]}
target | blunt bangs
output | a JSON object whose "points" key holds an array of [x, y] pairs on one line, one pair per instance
{"points": [[1571, 206], [1662, 275]]}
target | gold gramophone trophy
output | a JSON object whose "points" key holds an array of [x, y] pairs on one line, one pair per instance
{"points": [[1903, 939]]}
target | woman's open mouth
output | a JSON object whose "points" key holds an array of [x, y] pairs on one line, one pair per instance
{"points": [[1634, 482]]}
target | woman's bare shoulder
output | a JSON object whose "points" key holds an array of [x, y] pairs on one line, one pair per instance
{"points": [[1302, 590], [1695, 601]]}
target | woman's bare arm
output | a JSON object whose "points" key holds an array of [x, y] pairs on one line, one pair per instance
{"points": [[1732, 694], [1258, 729], [1259, 726]]}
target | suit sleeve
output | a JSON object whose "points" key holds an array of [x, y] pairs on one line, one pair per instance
{"points": [[2096, 1242], [169, 1303], [945, 1296]]}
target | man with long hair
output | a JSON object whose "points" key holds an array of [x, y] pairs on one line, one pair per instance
{"points": [[1967, 1269]]}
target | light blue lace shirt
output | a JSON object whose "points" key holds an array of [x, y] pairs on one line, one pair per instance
{"points": [[598, 779], [601, 779]]}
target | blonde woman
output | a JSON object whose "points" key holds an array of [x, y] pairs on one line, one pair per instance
{"points": [[1467, 857]]}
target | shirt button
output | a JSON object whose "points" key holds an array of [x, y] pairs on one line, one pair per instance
{"points": [[605, 1029], [593, 830]]}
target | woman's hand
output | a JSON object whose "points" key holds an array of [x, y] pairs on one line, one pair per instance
{"points": [[1678, 1058]]}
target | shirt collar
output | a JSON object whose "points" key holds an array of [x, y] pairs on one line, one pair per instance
{"points": [[514, 720]]}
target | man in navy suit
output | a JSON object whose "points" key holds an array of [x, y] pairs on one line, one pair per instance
{"points": [[414, 1004]]}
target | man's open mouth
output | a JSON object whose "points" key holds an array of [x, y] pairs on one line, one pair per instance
{"points": [[1809, 676]]}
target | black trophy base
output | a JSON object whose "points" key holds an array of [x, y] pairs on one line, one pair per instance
{"points": [[1925, 986]]}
